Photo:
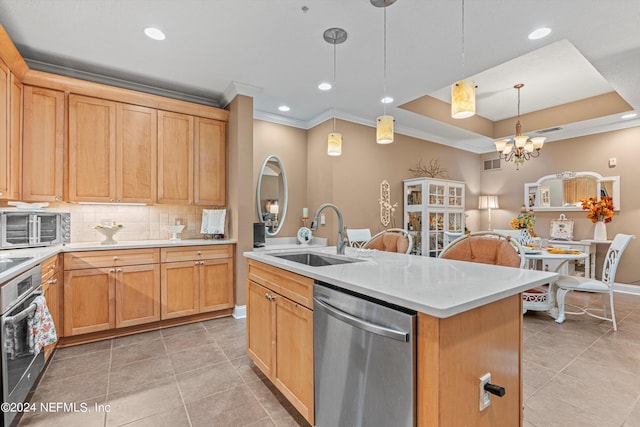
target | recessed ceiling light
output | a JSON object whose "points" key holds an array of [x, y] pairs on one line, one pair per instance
{"points": [[387, 100], [154, 33], [284, 108], [539, 33], [629, 116], [324, 86]]}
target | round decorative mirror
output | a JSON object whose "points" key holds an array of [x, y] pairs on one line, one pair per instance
{"points": [[271, 195]]}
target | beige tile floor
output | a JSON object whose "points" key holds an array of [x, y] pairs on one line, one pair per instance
{"points": [[580, 373]]}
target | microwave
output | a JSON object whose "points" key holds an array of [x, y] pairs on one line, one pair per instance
{"points": [[26, 229]]}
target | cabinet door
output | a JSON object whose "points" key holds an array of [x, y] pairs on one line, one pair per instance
{"points": [[210, 166], [43, 144], [175, 158], [216, 284], [51, 284], [260, 330], [293, 373], [137, 138], [5, 145], [89, 301], [92, 149], [179, 289], [137, 295]]}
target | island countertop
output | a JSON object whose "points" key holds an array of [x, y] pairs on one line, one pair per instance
{"points": [[437, 287]]}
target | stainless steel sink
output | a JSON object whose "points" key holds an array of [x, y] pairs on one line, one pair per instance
{"points": [[315, 260]]}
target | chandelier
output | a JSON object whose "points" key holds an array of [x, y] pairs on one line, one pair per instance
{"points": [[522, 148]]}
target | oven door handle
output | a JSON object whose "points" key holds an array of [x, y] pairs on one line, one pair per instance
{"points": [[24, 313]]}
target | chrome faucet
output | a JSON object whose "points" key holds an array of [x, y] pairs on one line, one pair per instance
{"points": [[314, 226]]}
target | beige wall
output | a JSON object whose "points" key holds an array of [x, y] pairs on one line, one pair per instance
{"points": [[589, 153]]}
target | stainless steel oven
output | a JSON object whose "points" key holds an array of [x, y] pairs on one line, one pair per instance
{"points": [[20, 365], [23, 229]]}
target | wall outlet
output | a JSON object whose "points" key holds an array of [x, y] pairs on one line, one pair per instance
{"points": [[485, 396], [323, 219], [612, 162]]}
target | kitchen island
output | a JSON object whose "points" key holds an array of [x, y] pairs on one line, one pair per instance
{"points": [[469, 324]]}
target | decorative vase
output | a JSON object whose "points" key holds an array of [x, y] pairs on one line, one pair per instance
{"points": [[525, 237], [600, 231]]}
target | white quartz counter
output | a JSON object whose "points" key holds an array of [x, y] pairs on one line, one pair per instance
{"points": [[38, 255], [438, 287]]}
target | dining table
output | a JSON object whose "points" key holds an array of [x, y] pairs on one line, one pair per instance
{"points": [[543, 298]]}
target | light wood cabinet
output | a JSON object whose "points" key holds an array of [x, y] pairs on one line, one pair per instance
{"points": [[192, 160], [175, 158], [112, 151], [210, 162], [43, 145], [10, 134], [110, 289], [196, 279], [52, 291], [280, 331], [92, 149]]}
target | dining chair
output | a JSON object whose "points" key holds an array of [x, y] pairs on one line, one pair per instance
{"points": [[391, 240], [604, 286], [357, 237], [486, 247]]}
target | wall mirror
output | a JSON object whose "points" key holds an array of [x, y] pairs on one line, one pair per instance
{"points": [[563, 191], [271, 195]]}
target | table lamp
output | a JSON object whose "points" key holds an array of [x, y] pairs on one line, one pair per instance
{"points": [[488, 202]]}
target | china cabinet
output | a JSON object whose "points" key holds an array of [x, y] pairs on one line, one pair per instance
{"points": [[431, 208]]}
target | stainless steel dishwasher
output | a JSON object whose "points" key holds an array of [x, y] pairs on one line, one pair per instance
{"points": [[364, 361]]}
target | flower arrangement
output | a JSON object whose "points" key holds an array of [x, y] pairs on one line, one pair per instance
{"points": [[524, 221], [599, 210]]}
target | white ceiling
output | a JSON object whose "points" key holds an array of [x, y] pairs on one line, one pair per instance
{"points": [[274, 51]]}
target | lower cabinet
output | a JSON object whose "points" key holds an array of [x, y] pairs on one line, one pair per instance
{"points": [[196, 279], [110, 289], [52, 291], [280, 331]]}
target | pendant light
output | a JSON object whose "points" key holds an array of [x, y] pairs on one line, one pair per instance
{"points": [[463, 92], [384, 123], [334, 141]]}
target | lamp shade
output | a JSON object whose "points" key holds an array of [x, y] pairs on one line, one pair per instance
{"points": [[488, 202], [384, 130], [463, 99], [334, 144]]}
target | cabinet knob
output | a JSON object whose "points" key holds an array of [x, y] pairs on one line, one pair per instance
{"points": [[119, 270], [115, 258], [201, 262], [58, 198], [197, 263], [111, 270], [52, 267], [53, 281], [199, 252]]}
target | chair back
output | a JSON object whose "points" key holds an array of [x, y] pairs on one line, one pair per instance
{"points": [[358, 236], [486, 247], [611, 260], [391, 240]]}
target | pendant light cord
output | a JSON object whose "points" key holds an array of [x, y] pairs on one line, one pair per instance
{"points": [[463, 75], [334, 86], [384, 58]]}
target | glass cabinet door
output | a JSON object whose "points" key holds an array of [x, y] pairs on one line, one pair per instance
{"points": [[456, 196], [414, 226], [456, 221], [436, 194], [414, 195]]}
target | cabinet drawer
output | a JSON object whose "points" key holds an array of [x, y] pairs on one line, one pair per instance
{"points": [[190, 253], [49, 267], [290, 285], [93, 259]]}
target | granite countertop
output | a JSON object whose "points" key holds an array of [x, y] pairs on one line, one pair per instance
{"points": [[38, 255], [437, 287]]}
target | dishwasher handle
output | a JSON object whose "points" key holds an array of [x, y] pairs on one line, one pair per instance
{"points": [[360, 323]]}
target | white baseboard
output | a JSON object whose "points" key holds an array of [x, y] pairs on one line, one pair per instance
{"points": [[239, 311], [626, 289]]}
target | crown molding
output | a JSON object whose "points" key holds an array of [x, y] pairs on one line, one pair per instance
{"points": [[237, 88]]}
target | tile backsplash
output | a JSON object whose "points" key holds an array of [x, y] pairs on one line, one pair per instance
{"points": [[140, 222]]}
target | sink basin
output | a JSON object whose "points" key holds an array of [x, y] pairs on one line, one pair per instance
{"points": [[315, 260]]}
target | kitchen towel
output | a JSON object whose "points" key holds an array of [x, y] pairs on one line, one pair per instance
{"points": [[41, 329]]}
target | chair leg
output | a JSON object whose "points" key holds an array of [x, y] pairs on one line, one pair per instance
{"points": [[613, 314], [562, 293], [604, 305]]}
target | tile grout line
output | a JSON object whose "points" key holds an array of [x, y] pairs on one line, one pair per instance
{"points": [[175, 378], [108, 382]]}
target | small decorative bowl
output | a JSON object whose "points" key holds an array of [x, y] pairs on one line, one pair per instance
{"points": [[108, 233], [175, 230]]}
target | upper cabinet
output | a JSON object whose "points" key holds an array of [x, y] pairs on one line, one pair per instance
{"points": [[191, 160], [43, 145], [112, 151], [563, 191], [10, 134]]}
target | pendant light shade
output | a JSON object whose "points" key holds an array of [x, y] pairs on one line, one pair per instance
{"points": [[463, 99], [384, 130], [334, 144]]}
